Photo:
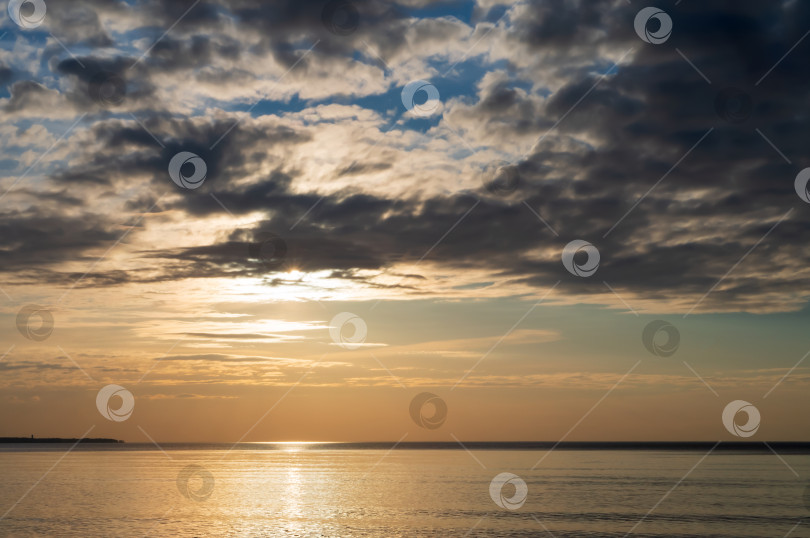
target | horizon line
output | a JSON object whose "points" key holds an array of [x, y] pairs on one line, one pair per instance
{"points": [[481, 445]]}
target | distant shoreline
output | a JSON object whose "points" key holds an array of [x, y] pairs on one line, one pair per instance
{"points": [[782, 447], [703, 446], [20, 440]]}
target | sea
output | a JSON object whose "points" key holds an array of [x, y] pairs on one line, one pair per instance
{"points": [[377, 490]]}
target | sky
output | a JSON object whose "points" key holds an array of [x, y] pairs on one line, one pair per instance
{"points": [[234, 220]]}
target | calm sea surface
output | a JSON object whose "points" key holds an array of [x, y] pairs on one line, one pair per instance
{"points": [[293, 491]]}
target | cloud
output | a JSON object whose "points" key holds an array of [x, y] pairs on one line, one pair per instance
{"points": [[216, 357], [638, 158]]}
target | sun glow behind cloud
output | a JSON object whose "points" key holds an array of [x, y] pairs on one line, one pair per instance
{"points": [[391, 216]]}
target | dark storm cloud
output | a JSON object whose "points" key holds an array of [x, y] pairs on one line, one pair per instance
{"points": [[35, 239], [6, 74], [90, 76], [27, 95], [128, 149], [280, 23], [277, 25], [78, 22], [648, 116], [565, 23]]}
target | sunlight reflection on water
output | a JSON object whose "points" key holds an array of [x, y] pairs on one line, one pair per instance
{"points": [[298, 491]]}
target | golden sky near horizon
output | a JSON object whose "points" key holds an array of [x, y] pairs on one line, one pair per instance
{"points": [[261, 227]]}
